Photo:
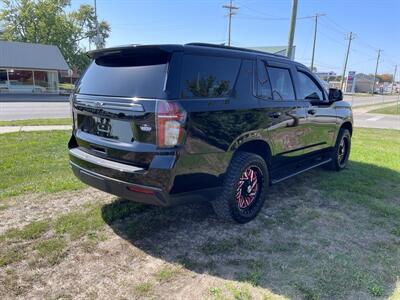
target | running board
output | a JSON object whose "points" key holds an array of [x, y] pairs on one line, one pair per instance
{"points": [[274, 181]]}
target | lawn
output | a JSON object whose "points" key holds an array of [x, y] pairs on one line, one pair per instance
{"points": [[33, 162], [388, 110], [321, 235], [33, 122]]}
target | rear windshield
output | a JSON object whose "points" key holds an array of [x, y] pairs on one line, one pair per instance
{"points": [[127, 74], [208, 76]]}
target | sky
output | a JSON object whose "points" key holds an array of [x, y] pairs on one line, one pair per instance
{"points": [[375, 23]]}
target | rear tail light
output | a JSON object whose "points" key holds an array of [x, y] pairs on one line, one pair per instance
{"points": [[138, 189], [170, 120]]}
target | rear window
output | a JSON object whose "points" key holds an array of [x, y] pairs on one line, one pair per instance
{"points": [[208, 76], [127, 74]]}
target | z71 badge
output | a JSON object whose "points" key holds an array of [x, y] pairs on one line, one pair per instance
{"points": [[145, 127]]}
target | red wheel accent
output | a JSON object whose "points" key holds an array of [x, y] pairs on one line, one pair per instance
{"points": [[247, 187]]}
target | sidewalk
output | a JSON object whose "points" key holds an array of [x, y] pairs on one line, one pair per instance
{"points": [[8, 129]]}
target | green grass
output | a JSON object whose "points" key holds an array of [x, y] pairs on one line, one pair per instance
{"points": [[144, 289], [239, 292], [322, 235], [254, 274], [166, 273], [214, 246], [33, 162], [18, 244], [11, 255], [78, 224], [373, 176], [30, 232], [35, 122], [66, 86], [51, 250], [388, 110], [120, 209], [216, 292]]}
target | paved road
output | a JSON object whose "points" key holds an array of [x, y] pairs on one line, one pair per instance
{"points": [[6, 97], [33, 110]]}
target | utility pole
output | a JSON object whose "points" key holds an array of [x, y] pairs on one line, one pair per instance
{"points": [[351, 37], [394, 78], [376, 70], [315, 39], [231, 12], [292, 28]]}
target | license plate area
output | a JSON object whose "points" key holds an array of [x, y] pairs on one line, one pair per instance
{"points": [[107, 128]]}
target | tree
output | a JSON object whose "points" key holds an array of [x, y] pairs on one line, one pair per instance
{"points": [[384, 77], [207, 86], [48, 22]]}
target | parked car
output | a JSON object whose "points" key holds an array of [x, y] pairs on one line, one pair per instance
{"points": [[169, 124]]}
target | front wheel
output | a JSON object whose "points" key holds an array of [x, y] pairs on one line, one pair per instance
{"points": [[341, 152], [244, 188]]}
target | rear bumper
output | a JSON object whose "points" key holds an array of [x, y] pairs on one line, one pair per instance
{"points": [[120, 188], [130, 182]]}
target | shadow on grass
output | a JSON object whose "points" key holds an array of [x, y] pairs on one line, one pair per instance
{"points": [[320, 235]]}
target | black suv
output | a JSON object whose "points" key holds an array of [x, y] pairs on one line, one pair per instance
{"points": [[167, 124]]}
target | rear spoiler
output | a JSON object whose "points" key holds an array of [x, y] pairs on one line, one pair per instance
{"points": [[94, 54]]}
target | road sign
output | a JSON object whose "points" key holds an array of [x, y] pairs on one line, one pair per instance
{"points": [[350, 83]]}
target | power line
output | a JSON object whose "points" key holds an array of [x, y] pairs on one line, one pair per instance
{"points": [[330, 39], [307, 44], [341, 28], [332, 28], [255, 10], [249, 17], [359, 39]]}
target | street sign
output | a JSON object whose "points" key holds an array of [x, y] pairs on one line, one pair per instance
{"points": [[350, 83]]}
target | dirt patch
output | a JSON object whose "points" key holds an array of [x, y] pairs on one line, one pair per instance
{"points": [[111, 270], [22, 210], [303, 245]]}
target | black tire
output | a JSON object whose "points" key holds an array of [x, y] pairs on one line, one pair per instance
{"points": [[341, 152], [242, 199]]}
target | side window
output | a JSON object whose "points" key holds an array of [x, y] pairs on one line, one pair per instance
{"points": [[208, 76], [263, 85], [309, 90], [281, 82]]}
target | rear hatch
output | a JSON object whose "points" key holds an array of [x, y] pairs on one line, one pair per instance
{"points": [[115, 103]]}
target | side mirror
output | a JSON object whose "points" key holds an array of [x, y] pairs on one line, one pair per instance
{"points": [[335, 95]]}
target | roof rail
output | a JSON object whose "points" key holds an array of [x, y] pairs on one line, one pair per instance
{"points": [[235, 48]]}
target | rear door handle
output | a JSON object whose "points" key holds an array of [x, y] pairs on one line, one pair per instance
{"points": [[275, 115], [311, 111]]}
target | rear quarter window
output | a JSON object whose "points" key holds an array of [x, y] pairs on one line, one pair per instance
{"points": [[281, 82], [208, 76]]}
